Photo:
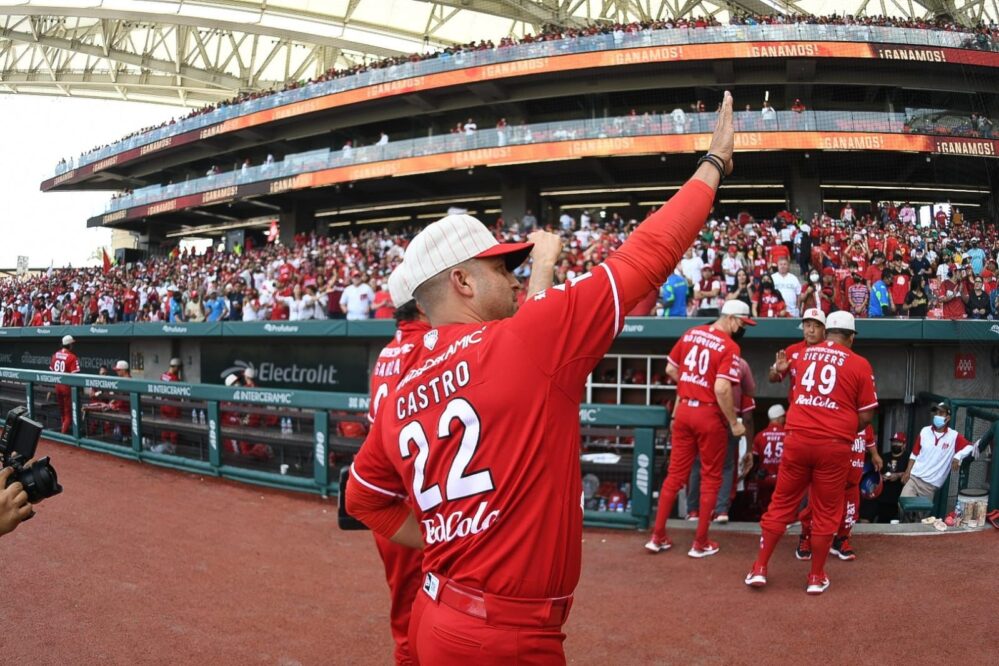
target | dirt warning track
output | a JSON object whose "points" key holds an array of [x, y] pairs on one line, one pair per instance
{"points": [[136, 564]]}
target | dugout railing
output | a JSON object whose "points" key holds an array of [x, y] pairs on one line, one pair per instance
{"points": [[300, 440], [978, 421]]}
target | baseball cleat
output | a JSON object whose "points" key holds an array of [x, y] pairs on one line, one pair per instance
{"points": [[804, 549], [757, 577], [656, 546], [841, 549], [705, 549], [693, 515], [817, 584]]}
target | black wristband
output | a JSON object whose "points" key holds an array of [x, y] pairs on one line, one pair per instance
{"points": [[716, 162]]}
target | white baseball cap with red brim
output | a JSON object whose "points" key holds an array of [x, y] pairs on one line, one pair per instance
{"points": [[737, 308], [444, 244]]}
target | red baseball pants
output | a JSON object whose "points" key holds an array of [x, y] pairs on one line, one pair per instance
{"points": [[821, 468], [403, 567], [64, 399], [851, 507], [442, 636], [696, 430]]}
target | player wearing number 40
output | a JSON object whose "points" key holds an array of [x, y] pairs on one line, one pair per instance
{"points": [[704, 364]]}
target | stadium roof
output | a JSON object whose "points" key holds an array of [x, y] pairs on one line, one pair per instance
{"points": [[189, 52]]}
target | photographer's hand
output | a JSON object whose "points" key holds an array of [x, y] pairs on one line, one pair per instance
{"points": [[14, 505]]}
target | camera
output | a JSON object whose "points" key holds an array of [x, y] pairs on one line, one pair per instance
{"points": [[17, 446]]}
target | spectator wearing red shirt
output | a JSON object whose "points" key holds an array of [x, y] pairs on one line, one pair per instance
{"points": [[768, 302], [950, 295]]}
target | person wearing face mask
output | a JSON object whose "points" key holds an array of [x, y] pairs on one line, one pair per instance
{"points": [[704, 364], [768, 301], [884, 509], [937, 448], [812, 295]]}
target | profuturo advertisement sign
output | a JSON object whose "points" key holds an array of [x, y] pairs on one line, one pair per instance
{"points": [[312, 367]]}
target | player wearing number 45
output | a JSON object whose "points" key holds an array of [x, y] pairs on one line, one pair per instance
{"points": [[833, 399], [704, 363], [481, 432]]}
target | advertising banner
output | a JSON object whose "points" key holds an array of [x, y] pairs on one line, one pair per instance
{"points": [[341, 368]]}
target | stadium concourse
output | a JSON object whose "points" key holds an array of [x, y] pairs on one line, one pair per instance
{"points": [[876, 263], [140, 565], [984, 36]]}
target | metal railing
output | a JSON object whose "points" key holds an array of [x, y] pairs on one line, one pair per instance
{"points": [[287, 439], [565, 130], [618, 40]]}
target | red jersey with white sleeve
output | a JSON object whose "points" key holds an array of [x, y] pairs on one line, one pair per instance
{"points": [[391, 360], [858, 452], [701, 356], [768, 446], [64, 361], [832, 385], [482, 431]]}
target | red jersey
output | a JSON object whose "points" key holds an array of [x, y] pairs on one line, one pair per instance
{"points": [[793, 352], [391, 361], [701, 356], [64, 361], [863, 441], [832, 384], [484, 413], [768, 446], [900, 287]]}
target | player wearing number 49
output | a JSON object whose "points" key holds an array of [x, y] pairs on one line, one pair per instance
{"points": [[704, 364], [481, 432], [833, 399]]}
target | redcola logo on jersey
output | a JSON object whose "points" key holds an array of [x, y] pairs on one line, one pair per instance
{"points": [[816, 401], [457, 525]]}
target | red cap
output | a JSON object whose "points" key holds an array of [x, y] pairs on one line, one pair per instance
{"points": [[899, 437]]}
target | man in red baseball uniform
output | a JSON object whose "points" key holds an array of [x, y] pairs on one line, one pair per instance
{"points": [[864, 441], [65, 362], [768, 447], [813, 326], [170, 438], [481, 433], [833, 399], [704, 363]]}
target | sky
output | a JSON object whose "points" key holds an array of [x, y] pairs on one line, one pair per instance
{"points": [[51, 228]]}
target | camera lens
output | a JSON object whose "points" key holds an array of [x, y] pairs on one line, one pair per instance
{"points": [[39, 480]]}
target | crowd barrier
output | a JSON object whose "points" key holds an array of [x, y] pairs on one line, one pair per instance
{"points": [[978, 421], [544, 49], [297, 440]]}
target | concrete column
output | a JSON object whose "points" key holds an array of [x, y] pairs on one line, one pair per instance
{"points": [[802, 186], [299, 219], [517, 198]]}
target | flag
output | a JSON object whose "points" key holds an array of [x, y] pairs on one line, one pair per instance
{"points": [[107, 260]]}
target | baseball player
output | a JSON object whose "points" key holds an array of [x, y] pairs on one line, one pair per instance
{"points": [[481, 433], [170, 438], [768, 446], [704, 363], [65, 362], [833, 399], [864, 441], [813, 325]]}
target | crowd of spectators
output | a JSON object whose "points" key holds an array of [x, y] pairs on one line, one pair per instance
{"points": [[877, 264], [982, 36]]}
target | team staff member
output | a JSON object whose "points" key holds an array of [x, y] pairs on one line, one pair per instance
{"points": [[813, 325], [65, 362], [936, 449], [833, 399], [496, 493], [863, 443], [704, 363], [768, 447]]}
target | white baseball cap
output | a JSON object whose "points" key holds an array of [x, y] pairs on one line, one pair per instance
{"points": [[231, 379], [446, 243], [739, 309], [174, 362], [121, 365], [842, 321], [775, 412], [815, 314], [67, 340], [250, 372], [399, 295]]}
